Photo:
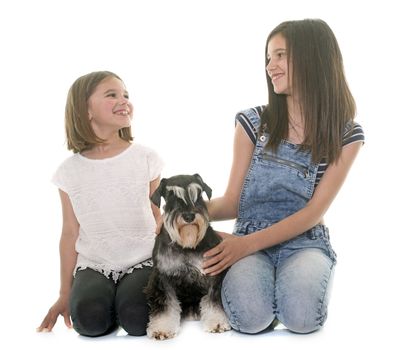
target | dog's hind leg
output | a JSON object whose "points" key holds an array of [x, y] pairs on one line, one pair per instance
{"points": [[165, 315]]}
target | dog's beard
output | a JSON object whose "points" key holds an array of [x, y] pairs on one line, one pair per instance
{"points": [[187, 235], [190, 235]]}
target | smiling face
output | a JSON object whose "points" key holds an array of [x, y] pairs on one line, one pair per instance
{"points": [[277, 66], [109, 109]]}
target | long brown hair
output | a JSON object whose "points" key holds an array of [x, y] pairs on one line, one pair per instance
{"points": [[318, 82], [79, 132]]}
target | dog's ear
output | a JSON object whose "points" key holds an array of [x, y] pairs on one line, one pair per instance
{"points": [[204, 186], [158, 193]]}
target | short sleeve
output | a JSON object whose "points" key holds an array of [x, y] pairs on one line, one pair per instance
{"points": [[249, 119], [353, 133], [155, 164], [59, 178]]}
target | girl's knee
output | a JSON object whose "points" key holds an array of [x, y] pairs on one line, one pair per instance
{"points": [[92, 319], [134, 319], [252, 326], [302, 321], [246, 317], [298, 326], [248, 294]]}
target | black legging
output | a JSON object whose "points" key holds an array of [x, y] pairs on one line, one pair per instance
{"points": [[98, 305]]}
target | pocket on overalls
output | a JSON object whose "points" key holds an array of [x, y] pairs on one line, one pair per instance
{"points": [[285, 163]]}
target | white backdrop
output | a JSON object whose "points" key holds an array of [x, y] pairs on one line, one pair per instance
{"points": [[189, 67]]}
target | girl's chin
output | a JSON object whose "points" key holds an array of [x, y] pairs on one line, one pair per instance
{"points": [[280, 90]]}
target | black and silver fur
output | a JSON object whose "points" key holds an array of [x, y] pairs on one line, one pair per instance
{"points": [[177, 286]]}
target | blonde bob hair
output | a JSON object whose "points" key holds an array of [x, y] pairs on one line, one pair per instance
{"points": [[79, 132]]}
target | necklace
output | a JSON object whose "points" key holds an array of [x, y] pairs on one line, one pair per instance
{"points": [[291, 127], [294, 127], [294, 124]]}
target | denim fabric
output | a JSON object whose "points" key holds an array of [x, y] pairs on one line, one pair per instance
{"points": [[289, 282]]}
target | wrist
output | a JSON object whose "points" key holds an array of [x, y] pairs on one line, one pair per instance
{"points": [[64, 293], [249, 244]]}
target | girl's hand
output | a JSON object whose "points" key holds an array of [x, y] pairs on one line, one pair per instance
{"points": [[61, 307], [225, 254]]}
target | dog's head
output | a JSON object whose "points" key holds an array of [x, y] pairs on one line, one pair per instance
{"points": [[185, 213]]}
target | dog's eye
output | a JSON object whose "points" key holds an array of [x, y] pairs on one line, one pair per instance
{"points": [[179, 201], [200, 201]]}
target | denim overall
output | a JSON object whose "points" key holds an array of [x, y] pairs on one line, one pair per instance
{"points": [[290, 281]]}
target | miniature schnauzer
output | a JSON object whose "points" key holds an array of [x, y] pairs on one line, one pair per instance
{"points": [[177, 286]]}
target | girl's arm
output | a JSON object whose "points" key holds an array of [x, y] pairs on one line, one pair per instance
{"points": [[226, 207], [68, 256], [155, 210], [234, 248]]}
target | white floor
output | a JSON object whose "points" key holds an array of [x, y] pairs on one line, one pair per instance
{"points": [[191, 336], [342, 331]]}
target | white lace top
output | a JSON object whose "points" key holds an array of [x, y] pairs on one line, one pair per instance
{"points": [[110, 198]]}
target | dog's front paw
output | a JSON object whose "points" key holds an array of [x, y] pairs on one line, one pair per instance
{"points": [[218, 327], [163, 326], [215, 320], [161, 335]]}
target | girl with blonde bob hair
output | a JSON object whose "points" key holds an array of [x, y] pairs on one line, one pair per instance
{"points": [[109, 223]]}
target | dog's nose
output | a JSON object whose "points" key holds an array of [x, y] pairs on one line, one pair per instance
{"points": [[188, 217]]}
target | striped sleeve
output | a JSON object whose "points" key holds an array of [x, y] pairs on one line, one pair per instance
{"points": [[250, 121], [353, 134], [247, 126]]}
